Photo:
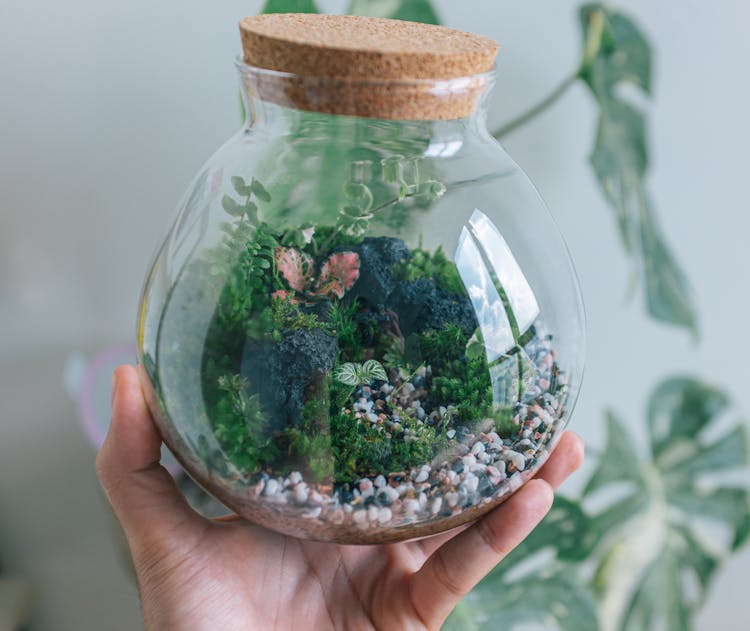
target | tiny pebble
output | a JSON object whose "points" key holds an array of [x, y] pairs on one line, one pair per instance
{"points": [[384, 515]]}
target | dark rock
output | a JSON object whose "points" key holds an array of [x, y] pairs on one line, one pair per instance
{"points": [[283, 372], [383, 499], [484, 488], [421, 304], [377, 256], [458, 466]]}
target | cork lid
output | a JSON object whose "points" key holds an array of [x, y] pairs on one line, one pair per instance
{"points": [[364, 66]]}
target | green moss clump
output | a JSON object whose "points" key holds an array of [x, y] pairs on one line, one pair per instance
{"points": [[364, 449], [431, 265]]}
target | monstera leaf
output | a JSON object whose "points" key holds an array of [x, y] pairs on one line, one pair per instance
{"points": [[661, 538], [648, 529], [554, 594], [616, 53]]}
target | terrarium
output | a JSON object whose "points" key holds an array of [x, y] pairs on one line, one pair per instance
{"points": [[364, 325]]}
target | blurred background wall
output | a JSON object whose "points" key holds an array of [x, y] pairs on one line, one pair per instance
{"points": [[107, 110]]}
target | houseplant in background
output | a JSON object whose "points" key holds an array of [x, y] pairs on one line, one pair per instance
{"points": [[588, 579]]}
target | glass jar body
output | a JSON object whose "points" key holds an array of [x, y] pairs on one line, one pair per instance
{"points": [[361, 330]]}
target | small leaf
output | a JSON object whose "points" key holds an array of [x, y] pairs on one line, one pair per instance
{"points": [[374, 370], [240, 186], [296, 267], [347, 374], [338, 274], [232, 207], [260, 191]]}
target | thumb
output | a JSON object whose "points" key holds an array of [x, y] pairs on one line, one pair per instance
{"points": [[144, 496]]}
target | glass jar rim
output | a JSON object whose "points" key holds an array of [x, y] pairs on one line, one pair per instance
{"points": [[459, 82], [392, 99]]}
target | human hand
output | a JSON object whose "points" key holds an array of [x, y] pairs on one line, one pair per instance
{"points": [[196, 573]]}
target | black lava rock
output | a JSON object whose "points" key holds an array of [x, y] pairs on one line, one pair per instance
{"points": [[421, 304], [282, 372], [377, 256]]}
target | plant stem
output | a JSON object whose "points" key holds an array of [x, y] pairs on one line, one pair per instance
{"points": [[327, 243], [537, 109]]}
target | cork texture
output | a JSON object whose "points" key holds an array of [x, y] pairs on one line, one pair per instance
{"points": [[363, 66]]}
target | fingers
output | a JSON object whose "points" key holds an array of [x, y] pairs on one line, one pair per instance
{"points": [[454, 569], [142, 493], [564, 460], [460, 559]]}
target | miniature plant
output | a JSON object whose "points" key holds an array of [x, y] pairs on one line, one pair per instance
{"points": [[336, 276], [353, 374], [240, 423]]}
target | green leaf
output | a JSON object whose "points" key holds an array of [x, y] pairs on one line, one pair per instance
{"points": [[240, 186], [290, 6], [373, 369], [621, 54], [347, 374], [681, 408], [621, 462], [555, 597], [260, 191], [650, 543], [412, 10], [232, 207], [617, 53]]}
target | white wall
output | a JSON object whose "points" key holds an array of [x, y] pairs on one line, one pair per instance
{"points": [[106, 111]]}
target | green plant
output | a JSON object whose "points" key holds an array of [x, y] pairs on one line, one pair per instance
{"points": [[617, 53], [240, 424], [645, 557]]}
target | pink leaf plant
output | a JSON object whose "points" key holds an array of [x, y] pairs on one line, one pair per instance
{"points": [[337, 274]]}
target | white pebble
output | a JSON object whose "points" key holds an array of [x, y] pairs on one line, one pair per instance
{"points": [[295, 477], [380, 481], [312, 513], [469, 461], [451, 498], [471, 482], [372, 513], [450, 433], [411, 506], [436, 505], [384, 515], [359, 517], [478, 448], [365, 484], [271, 487], [519, 462], [422, 476], [422, 501], [391, 493], [301, 493]]}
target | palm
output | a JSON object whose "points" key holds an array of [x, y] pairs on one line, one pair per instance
{"points": [[196, 573]]}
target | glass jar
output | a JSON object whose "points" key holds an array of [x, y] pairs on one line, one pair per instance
{"points": [[361, 328]]}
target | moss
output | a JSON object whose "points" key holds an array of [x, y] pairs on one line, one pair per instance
{"points": [[432, 266], [364, 449]]}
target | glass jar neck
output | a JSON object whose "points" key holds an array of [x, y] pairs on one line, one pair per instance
{"points": [[441, 111]]}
